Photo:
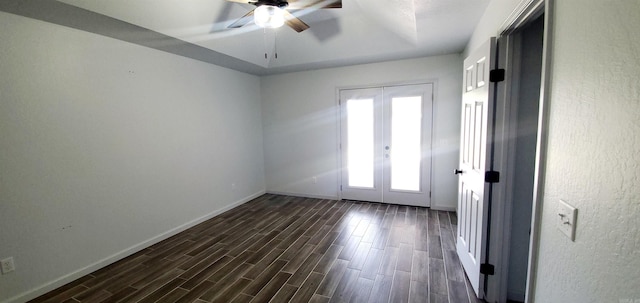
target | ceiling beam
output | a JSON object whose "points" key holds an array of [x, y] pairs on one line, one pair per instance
{"points": [[74, 17]]}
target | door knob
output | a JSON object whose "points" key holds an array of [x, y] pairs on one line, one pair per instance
{"points": [[457, 171]]}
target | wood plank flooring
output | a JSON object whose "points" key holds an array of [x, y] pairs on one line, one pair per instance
{"points": [[290, 249]]}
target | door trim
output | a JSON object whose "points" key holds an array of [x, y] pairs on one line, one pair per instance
{"points": [[541, 150], [527, 11]]}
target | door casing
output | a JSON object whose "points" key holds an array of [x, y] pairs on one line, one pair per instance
{"points": [[501, 216]]}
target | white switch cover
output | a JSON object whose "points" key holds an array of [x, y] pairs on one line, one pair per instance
{"points": [[566, 218]]}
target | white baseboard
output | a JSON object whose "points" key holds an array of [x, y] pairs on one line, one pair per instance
{"points": [[302, 195], [444, 208], [47, 287]]}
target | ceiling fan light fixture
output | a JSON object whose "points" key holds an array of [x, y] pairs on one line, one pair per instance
{"points": [[268, 16]]}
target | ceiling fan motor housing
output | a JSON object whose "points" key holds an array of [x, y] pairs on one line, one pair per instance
{"points": [[273, 13], [276, 3]]}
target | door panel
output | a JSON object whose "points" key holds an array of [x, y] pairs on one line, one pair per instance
{"points": [[407, 138], [386, 144], [361, 157], [475, 151]]}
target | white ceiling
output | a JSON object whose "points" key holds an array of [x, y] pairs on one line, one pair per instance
{"points": [[362, 31]]}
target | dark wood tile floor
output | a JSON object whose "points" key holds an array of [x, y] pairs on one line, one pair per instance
{"points": [[290, 249]]}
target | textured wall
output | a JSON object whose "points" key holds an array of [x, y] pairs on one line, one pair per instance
{"points": [[106, 146], [593, 155]]}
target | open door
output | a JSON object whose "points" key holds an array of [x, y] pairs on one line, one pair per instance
{"points": [[475, 160]]}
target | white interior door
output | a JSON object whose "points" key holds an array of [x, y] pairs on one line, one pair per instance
{"points": [[475, 153], [386, 144]]}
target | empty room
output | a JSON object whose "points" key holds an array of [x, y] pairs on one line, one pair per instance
{"points": [[319, 151]]}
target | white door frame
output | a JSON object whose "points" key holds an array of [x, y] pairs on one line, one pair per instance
{"points": [[541, 151], [527, 11], [339, 135]]}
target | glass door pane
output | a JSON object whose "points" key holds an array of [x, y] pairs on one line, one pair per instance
{"points": [[406, 143], [360, 136]]}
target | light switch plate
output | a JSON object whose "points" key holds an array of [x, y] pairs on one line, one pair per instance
{"points": [[566, 219]]}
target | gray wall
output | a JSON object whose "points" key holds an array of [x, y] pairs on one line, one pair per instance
{"points": [[300, 116], [592, 161], [107, 147]]}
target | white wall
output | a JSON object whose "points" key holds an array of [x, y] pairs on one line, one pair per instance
{"points": [[593, 150], [107, 146], [300, 123]]}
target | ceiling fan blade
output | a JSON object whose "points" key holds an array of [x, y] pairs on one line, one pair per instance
{"points": [[242, 21], [241, 1], [301, 4], [293, 22], [334, 4]]}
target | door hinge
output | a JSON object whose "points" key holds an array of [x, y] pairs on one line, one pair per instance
{"points": [[487, 269], [429, 194], [492, 176], [496, 75], [340, 187]]}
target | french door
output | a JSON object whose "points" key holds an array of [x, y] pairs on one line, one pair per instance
{"points": [[386, 144]]}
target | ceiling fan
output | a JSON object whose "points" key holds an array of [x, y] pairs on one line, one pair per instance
{"points": [[274, 13]]}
